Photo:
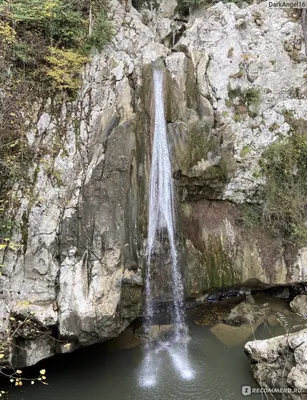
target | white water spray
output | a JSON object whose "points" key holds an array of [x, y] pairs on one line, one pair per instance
{"points": [[161, 209]]}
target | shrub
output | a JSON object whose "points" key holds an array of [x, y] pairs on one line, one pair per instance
{"points": [[65, 66], [30, 11], [7, 34], [284, 164], [102, 32]]}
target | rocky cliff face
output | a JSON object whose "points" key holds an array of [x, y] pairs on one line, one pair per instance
{"points": [[232, 75]]}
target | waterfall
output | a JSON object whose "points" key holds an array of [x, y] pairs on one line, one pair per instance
{"points": [[162, 218], [161, 210]]}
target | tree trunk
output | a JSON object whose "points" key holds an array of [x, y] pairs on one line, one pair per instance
{"points": [[90, 26]]}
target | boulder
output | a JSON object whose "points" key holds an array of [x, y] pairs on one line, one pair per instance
{"points": [[240, 324], [299, 305], [280, 362]]}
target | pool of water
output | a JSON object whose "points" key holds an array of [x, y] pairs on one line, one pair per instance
{"points": [[202, 369]]}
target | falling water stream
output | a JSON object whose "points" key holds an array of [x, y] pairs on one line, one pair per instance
{"points": [[162, 217], [161, 208]]}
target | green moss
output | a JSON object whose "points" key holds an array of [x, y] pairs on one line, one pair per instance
{"points": [[219, 264], [245, 151], [297, 125], [54, 175], [273, 127], [237, 117], [228, 102], [243, 101], [201, 143], [6, 226], [282, 211]]}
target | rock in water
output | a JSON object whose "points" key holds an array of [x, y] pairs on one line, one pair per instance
{"points": [[240, 324], [299, 305], [280, 362]]}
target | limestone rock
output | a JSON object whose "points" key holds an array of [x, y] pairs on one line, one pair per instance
{"points": [[247, 312], [299, 305], [280, 362], [231, 336], [240, 324]]}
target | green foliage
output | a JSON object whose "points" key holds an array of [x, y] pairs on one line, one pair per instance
{"points": [[33, 27], [184, 5], [252, 215], [24, 54], [56, 20], [65, 66], [7, 33], [102, 32], [14, 151], [284, 165], [243, 101], [283, 210], [43, 46], [6, 225], [29, 11]]}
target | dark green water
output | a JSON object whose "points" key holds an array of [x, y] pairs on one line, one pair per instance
{"points": [[202, 369], [208, 371]]}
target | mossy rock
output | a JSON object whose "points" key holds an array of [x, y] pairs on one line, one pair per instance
{"points": [[147, 4], [243, 102], [220, 266]]}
